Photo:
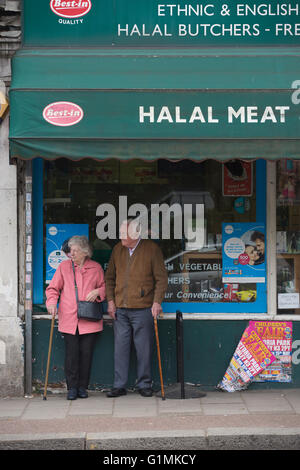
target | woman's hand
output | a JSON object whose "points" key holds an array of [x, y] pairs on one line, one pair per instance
{"points": [[92, 296], [52, 309]]}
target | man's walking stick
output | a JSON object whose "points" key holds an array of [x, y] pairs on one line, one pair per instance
{"points": [[159, 360], [49, 354]]}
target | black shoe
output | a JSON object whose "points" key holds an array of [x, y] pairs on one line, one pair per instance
{"points": [[116, 392], [145, 392], [72, 394], [82, 393]]}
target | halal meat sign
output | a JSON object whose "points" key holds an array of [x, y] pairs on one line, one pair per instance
{"points": [[70, 8]]}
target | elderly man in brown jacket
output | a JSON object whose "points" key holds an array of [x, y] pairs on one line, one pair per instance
{"points": [[136, 281]]}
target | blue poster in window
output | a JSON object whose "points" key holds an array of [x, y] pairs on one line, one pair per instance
{"points": [[57, 236], [243, 252]]}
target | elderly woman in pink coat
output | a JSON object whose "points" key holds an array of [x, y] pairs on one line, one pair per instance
{"points": [[79, 334]]}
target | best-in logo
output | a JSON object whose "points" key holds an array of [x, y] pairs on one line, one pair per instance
{"points": [[70, 8], [63, 113]]}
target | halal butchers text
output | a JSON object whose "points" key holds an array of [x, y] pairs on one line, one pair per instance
{"points": [[229, 19], [216, 19]]}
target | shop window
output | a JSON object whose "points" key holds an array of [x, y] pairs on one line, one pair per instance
{"points": [[288, 237], [73, 192]]}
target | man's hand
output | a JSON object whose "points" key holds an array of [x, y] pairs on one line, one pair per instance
{"points": [[111, 309], [52, 309], [156, 309]]}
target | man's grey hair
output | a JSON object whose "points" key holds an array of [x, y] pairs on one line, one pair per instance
{"points": [[82, 242]]}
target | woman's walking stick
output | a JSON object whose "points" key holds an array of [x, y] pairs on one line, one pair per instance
{"points": [[49, 354], [159, 361]]}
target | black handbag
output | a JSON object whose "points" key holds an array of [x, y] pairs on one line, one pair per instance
{"points": [[92, 311]]}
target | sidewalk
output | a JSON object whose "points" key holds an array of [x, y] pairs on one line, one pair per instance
{"points": [[250, 419]]}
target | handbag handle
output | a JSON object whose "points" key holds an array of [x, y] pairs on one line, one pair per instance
{"points": [[76, 290]]}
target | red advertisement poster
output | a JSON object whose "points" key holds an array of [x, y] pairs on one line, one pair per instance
{"points": [[237, 178], [277, 336]]}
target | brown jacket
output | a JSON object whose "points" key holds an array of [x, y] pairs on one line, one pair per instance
{"points": [[138, 280]]}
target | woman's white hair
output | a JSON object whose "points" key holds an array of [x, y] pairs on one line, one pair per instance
{"points": [[82, 242]]}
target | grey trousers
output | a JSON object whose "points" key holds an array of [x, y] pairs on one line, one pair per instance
{"points": [[136, 325]]}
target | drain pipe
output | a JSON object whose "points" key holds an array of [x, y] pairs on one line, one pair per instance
{"points": [[28, 279]]}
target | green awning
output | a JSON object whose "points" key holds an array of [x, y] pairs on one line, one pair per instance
{"points": [[149, 104]]}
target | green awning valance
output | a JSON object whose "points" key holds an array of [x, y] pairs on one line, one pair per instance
{"points": [[151, 104]]}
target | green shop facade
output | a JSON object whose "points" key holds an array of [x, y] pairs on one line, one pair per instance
{"points": [[125, 106]]}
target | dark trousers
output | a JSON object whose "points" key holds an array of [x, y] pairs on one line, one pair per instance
{"points": [[78, 358], [136, 325]]}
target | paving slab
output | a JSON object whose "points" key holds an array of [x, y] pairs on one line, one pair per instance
{"points": [[55, 408], [95, 405], [134, 406], [221, 397], [190, 406], [293, 398], [13, 407], [224, 409], [262, 402]]}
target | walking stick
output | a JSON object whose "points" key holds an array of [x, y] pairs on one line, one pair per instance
{"points": [[49, 354], [159, 361]]}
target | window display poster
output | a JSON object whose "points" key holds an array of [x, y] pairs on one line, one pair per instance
{"points": [[56, 237], [250, 358], [243, 253], [237, 178], [277, 336]]}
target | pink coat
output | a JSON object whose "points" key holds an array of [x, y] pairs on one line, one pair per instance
{"points": [[62, 288]]}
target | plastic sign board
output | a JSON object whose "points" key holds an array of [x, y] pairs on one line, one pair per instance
{"points": [[138, 23]]}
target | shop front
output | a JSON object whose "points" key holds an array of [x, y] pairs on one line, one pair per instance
{"points": [[198, 137]]}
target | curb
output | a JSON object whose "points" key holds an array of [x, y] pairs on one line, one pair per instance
{"points": [[211, 439], [150, 440], [51, 441], [253, 438]]}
